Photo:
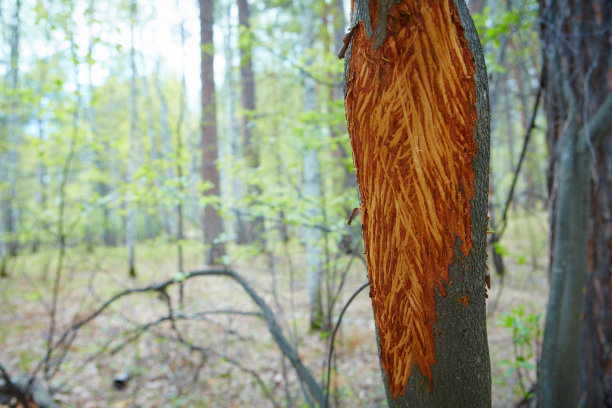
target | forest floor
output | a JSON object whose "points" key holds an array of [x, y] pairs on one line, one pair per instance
{"points": [[233, 361]]}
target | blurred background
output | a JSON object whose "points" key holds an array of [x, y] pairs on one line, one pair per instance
{"points": [[140, 140]]}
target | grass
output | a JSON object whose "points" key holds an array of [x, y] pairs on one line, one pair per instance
{"points": [[166, 373]]}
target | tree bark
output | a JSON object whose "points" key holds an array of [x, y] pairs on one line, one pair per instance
{"points": [[312, 180], [166, 147], [254, 227], [418, 118], [212, 223], [577, 369], [233, 132], [130, 225], [9, 166]]}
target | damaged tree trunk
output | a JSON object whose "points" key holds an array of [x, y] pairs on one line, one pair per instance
{"points": [[418, 118]]}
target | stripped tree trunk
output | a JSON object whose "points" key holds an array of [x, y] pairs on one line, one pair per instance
{"points": [[577, 45], [312, 180], [418, 119], [212, 223]]}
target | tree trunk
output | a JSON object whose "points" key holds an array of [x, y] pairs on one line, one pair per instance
{"points": [[130, 225], [166, 146], [254, 227], [578, 100], [9, 244], [233, 134], [212, 223], [181, 123], [418, 119], [312, 180]]}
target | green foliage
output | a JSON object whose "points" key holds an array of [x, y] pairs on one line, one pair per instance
{"points": [[526, 333]]}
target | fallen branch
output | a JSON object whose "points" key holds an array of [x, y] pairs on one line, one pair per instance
{"points": [[315, 390], [25, 389]]}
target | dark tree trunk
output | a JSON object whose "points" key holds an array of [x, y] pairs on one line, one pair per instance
{"points": [[212, 223], [576, 41], [255, 227], [418, 117]]}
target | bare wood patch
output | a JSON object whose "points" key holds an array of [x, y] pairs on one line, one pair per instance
{"points": [[411, 118]]}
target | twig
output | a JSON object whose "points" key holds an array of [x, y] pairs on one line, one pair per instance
{"points": [[333, 337], [234, 362], [523, 152]]}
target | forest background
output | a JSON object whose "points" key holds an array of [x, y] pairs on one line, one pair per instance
{"points": [[104, 182]]}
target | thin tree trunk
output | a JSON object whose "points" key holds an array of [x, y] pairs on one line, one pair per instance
{"points": [[418, 119], [130, 226], [166, 145], [180, 234], [233, 141], [254, 227], [212, 222], [524, 89], [9, 244], [312, 180]]}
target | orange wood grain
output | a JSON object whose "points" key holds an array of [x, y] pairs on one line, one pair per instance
{"points": [[411, 119]]}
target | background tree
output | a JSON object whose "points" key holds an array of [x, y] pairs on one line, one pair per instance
{"points": [[254, 227], [11, 139], [212, 223], [576, 45], [418, 118], [130, 224], [312, 173]]}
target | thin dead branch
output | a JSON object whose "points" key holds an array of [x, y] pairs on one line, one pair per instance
{"points": [[314, 389]]}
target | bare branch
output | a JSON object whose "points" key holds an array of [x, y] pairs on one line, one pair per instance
{"points": [[333, 337], [25, 389], [527, 138], [314, 388]]}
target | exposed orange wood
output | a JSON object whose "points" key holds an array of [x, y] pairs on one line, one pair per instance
{"points": [[411, 118]]}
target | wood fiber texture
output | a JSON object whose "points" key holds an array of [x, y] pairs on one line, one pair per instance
{"points": [[411, 119]]}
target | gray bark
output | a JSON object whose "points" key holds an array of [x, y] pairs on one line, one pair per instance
{"points": [[9, 165], [130, 226], [559, 376], [312, 179], [166, 146], [233, 140], [211, 221]]}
